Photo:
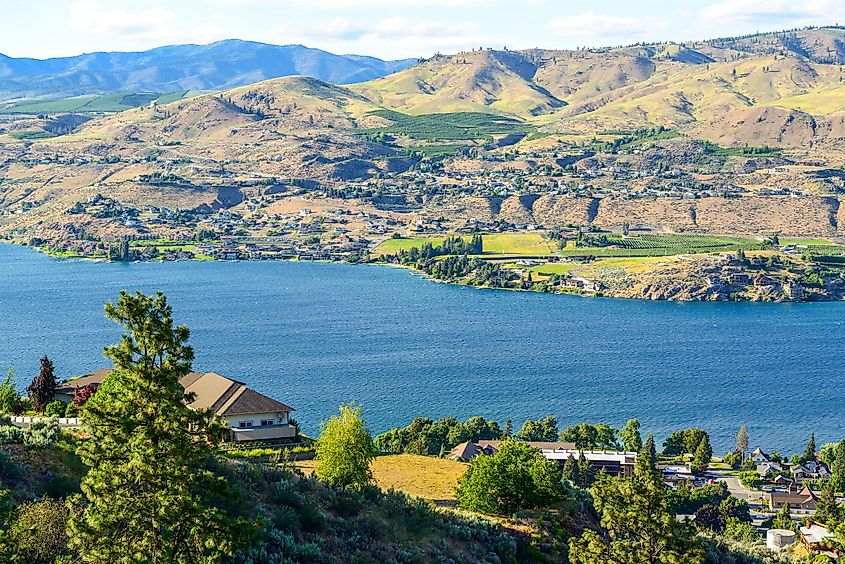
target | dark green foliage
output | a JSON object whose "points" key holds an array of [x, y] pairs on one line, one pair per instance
{"points": [[703, 455], [544, 429], [56, 408], [454, 126], [629, 435], [587, 436], [686, 500], [810, 449], [42, 390], [828, 510], [425, 436], [516, 477], [684, 442]]}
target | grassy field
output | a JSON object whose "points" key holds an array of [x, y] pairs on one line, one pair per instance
{"points": [[427, 477], [663, 245], [632, 264], [517, 244], [455, 126], [106, 103]]}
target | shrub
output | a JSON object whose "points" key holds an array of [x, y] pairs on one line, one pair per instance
{"points": [[55, 408], [9, 470], [38, 533], [42, 433], [9, 434], [71, 410]]}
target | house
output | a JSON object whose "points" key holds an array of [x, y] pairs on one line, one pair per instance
{"points": [[466, 451], [758, 456], [612, 462], [674, 474], [810, 470], [804, 499], [767, 468], [813, 535], [250, 415]]}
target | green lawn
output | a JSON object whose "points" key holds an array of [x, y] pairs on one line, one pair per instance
{"points": [[516, 244]]}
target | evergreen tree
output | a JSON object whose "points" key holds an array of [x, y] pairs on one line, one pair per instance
{"points": [[703, 455], [151, 494], [632, 440], [508, 429], [828, 510], [742, 441], [646, 464], [782, 520], [810, 450], [586, 472], [42, 390], [570, 471], [837, 469]]}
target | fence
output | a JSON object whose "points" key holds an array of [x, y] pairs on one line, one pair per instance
{"points": [[63, 421]]}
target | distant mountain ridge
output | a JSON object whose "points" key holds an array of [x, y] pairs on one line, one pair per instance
{"points": [[216, 66]]}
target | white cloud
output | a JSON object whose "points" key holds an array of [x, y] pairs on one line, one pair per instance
{"points": [[91, 17], [395, 37], [765, 14], [603, 27]]}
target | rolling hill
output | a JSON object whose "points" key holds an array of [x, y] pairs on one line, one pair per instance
{"points": [[217, 66]]}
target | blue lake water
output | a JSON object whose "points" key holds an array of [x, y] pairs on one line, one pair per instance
{"points": [[316, 335]]}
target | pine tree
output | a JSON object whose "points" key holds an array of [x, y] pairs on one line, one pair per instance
{"points": [[810, 450], [703, 455], [508, 429], [586, 472], [42, 390], [742, 441], [837, 469], [632, 440], [646, 464], [570, 471], [150, 494], [828, 510]]}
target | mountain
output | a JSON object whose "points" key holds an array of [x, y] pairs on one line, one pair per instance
{"points": [[217, 66]]}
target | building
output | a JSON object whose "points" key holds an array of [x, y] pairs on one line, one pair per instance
{"points": [[813, 535], [804, 499], [810, 470], [758, 456], [250, 415], [612, 462], [674, 474], [466, 451]]}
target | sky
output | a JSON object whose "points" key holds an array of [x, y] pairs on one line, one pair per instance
{"points": [[390, 29]]}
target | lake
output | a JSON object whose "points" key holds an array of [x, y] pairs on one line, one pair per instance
{"points": [[315, 335]]}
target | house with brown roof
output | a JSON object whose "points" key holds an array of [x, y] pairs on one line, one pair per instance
{"points": [[803, 499], [465, 452], [250, 415]]}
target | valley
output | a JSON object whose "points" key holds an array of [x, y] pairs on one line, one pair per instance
{"points": [[739, 138]]}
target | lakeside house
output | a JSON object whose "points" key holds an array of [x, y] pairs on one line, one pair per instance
{"points": [[612, 462], [468, 450], [803, 499], [250, 415], [814, 535]]}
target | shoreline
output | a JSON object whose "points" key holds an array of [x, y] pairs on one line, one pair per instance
{"points": [[414, 271]]}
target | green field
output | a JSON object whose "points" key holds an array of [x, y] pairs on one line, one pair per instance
{"points": [[503, 244], [455, 126], [105, 103], [662, 245]]}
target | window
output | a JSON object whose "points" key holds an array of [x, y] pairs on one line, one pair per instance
{"points": [[266, 422], [245, 424]]}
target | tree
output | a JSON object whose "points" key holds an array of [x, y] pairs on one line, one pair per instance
{"points": [[42, 390], [9, 397], [81, 394], [570, 471], [517, 477], [703, 455], [586, 471], [810, 449], [782, 520], [544, 429], [837, 468], [151, 493], [636, 526], [828, 510], [646, 464], [345, 449], [630, 436], [742, 441]]}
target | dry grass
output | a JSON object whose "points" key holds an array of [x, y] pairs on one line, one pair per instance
{"points": [[427, 477]]}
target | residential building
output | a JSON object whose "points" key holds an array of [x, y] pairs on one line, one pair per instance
{"points": [[466, 451], [249, 414], [813, 535], [612, 462], [803, 499]]}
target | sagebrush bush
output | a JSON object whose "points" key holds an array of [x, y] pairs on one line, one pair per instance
{"points": [[9, 434], [42, 433]]}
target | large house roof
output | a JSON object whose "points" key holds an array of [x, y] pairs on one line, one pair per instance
{"points": [[224, 396]]}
